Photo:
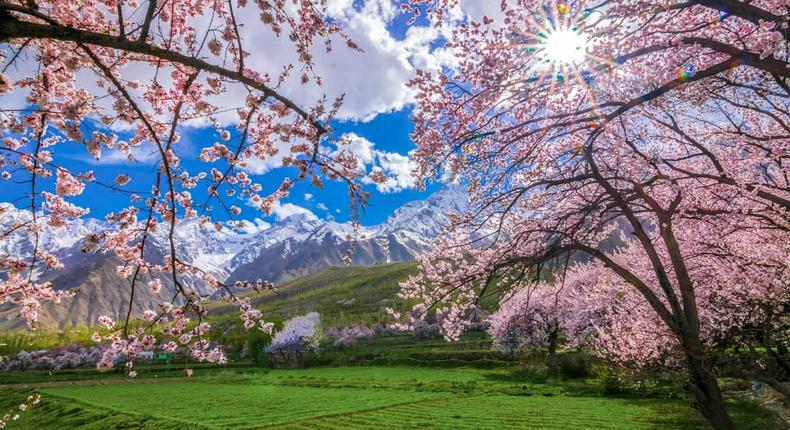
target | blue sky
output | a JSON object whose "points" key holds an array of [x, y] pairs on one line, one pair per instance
{"points": [[390, 132], [377, 114]]}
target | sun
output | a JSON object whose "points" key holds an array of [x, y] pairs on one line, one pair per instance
{"points": [[563, 47], [561, 40]]}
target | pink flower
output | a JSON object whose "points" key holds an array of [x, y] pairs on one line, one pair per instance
{"points": [[148, 315], [5, 84], [67, 185], [122, 180], [169, 346], [106, 322], [155, 285]]}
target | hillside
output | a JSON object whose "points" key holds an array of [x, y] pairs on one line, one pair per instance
{"points": [[296, 246], [342, 295]]}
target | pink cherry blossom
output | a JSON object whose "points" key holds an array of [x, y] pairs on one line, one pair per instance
{"points": [[655, 151]]}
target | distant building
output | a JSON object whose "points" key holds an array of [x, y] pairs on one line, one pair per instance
{"points": [[145, 355]]}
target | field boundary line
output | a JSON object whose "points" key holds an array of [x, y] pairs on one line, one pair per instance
{"points": [[360, 411], [141, 416], [85, 382]]}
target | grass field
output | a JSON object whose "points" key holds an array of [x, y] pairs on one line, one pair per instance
{"points": [[388, 382], [351, 398]]}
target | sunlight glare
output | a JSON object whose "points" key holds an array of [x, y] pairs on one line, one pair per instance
{"points": [[564, 46]]}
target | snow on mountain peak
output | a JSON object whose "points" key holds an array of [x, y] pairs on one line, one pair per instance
{"points": [[408, 230]]}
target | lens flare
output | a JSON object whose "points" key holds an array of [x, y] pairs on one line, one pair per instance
{"points": [[563, 46], [686, 72]]}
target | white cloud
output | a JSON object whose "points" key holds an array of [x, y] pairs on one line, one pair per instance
{"points": [[397, 167], [259, 166], [308, 197], [145, 154], [477, 9], [253, 226], [373, 81], [322, 207], [398, 170], [357, 145], [284, 210]]}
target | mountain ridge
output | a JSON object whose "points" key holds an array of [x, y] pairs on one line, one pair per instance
{"points": [[296, 246]]}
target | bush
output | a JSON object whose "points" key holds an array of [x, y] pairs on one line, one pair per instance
{"points": [[346, 337], [573, 365], [612, 384], [426, 330], [256, 345]]}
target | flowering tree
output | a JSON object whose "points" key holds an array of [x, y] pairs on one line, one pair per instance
{"points": [[347, 336], [572, 122], [67, 357], [299, 335], [195, 52], [741, 303], [530, 317]]}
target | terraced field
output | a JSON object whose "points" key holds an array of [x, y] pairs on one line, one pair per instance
{"points": [[352, 398]]}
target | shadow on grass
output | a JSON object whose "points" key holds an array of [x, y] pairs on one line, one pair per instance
{"points": [[680, 414], [663, 402]]}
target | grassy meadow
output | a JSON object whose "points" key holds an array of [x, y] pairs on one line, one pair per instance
{"points": [[354, 397], [393, 381]]}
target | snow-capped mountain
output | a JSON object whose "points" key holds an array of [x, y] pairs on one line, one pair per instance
{"points": [[302, 244], [298, 245], [58, 241]]}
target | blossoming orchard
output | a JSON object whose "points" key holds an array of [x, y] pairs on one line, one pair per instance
{"points": [[626, 164], [668, 135]]}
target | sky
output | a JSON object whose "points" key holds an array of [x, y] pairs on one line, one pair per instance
{"points": [[375, 117]]}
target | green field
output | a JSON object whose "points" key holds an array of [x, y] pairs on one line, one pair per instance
{"points": [[351, 398], [392, 381]]}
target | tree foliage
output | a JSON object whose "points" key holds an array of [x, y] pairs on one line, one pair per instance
{"points": [[670, 127], [195, 51]]}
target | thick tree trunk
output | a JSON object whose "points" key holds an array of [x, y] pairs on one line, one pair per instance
{"points": [[706, 391]]}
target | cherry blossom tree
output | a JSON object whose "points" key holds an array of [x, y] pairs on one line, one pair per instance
{"points": [[531, 317], [574, 122], [741, 303], [299, 335], [195, 51]]}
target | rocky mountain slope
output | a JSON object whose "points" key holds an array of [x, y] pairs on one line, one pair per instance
{"points": [[296, 246]]}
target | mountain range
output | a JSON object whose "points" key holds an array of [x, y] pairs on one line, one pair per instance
{"points": [[298, 245]]}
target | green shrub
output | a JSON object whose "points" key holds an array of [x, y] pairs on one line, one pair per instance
{"points": [[573, 365], [612, 384]]}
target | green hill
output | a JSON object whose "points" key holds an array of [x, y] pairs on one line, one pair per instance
{"points": [[342, 295]]}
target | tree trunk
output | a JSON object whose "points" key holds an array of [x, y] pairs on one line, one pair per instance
{"points": [[552, 347], [706, 391], [779, 356]]}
